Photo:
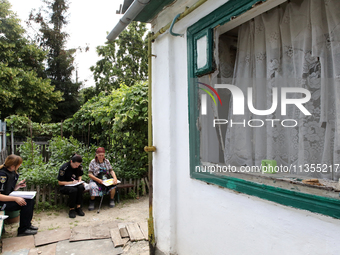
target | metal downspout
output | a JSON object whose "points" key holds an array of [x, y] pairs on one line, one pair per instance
{"points": [[127, 18], [149, 149]]}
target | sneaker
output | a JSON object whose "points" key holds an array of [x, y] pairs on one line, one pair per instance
{"points": [[33, 227], [80, 212], [28, 232], [72, 213], [91, 205], [112, 203]]}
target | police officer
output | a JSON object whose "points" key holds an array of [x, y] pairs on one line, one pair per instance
{"points": [[8, 182], [69, 179]]}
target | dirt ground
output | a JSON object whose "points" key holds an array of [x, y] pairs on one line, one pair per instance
{"points": [[136, 210]]}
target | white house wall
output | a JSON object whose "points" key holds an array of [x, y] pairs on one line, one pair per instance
{"points": [[192, 217]]}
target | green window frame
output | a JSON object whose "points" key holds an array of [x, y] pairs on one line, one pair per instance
{"points": [[314, 203], [208, 67]]}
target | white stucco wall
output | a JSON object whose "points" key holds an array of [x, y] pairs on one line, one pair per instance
{"points": [[192, 217]]}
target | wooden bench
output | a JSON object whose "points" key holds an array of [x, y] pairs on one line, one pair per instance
{"points": [[122, 186]]}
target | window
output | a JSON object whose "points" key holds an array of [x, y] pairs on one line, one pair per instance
{"points": [[203, 49], [283, 60]]}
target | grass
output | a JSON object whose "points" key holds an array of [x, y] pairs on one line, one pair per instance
{"points": [[52, 228]]}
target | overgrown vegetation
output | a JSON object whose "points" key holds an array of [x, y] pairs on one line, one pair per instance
{"points": [[24, 90], [123, 60], [59, 65], [118, 122], [37, 87], [38, 172]]}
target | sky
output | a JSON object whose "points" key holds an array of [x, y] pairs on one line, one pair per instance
{"points": [[88, 26]]}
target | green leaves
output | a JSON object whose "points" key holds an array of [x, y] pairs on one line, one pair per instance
{"points": [[119, 121], [59, 59], [123, 61], [23, 90], [21, 126], [36, 171]]}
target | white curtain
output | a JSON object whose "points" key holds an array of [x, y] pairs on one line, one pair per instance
{"points": [[296, 45]]}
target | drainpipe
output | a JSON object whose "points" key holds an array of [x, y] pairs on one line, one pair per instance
{"points": [[135, 8], [149, 149]]}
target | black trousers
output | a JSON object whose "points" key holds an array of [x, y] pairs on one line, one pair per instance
{"points": [[26, 213], [75, 194]]}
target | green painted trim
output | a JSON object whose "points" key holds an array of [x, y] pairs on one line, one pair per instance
{"points": [[313, 203], [151, 10], [208, 68], [318, 204], [194, 135], [223, 14]]}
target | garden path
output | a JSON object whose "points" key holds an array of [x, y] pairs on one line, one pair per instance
{"points": [[126, 211]]}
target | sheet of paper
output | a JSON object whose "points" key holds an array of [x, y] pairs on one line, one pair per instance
{"points": [[74, 184], [23, 194], [109, 182]]}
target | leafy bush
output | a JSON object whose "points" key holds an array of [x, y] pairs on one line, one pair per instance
{"points": [[117, 121], [21, 126], [120, 121], [129, 131], [35, 171]]}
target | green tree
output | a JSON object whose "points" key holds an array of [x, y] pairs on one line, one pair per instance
{"points": [[86, 94], [59, 59], [123, 61], [23, 90], [118, 121]]}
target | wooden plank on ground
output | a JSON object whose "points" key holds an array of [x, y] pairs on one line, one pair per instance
{"points": [[80, 233], [17, 243], [134, 232], [122, 230], [144, 228], [100, 232], [52, 236], [117, 239]]}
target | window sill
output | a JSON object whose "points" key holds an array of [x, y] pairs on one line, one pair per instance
{"points": [[323, 200]]}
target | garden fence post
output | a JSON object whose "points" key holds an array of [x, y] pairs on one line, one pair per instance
{"points": [[12, 140], [61, 129], [4, 139], [37, 197], [0, 136]]}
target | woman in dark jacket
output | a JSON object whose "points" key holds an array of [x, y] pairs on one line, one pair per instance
{"points": [[69, 179], [8, 183]]}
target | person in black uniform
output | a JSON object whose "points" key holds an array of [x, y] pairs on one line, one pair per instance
{"points": [[8, 182], [70, 174]]}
